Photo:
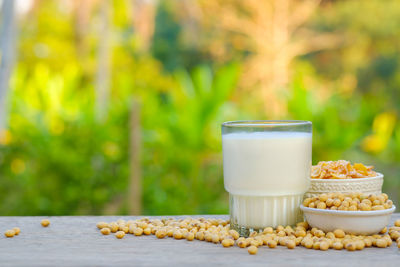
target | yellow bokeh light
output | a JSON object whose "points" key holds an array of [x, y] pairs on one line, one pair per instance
{"points": [[111, 150], [382, 129], [57, 127], [5, 137], [17, 166]]}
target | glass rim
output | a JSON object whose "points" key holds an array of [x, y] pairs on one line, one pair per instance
{"points": [[265, 123]]}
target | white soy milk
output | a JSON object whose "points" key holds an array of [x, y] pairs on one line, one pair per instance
{"points": [[266, 174], [267, 163]]}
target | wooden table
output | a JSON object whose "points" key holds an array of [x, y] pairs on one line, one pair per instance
{"points": [[75, 241]]}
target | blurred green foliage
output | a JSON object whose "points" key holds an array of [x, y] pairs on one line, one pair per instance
{"points": [[57, 157], [168, 46]]}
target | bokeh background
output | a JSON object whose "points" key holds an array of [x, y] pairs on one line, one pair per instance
{"points": [[114, 107]]}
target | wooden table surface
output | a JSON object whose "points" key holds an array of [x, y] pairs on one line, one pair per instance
{"points": [[75, 241]]}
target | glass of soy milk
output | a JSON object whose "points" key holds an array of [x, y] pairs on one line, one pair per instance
{"points": [[266, 171]]}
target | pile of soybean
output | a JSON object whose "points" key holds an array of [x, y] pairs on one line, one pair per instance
{"points": [[218, 231]]}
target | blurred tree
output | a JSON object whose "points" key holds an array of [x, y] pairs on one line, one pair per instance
{"points": [[176, 41], [166, 41], [104, 55], [7, 56], [268, 35], [82, 11], [143, 21]]}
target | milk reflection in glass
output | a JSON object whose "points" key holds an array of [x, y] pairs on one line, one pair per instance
{"points": [[266, 174]]}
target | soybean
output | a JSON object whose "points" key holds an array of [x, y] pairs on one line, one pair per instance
{"points": [[105, 231], [9, 233], [45, 223], [252, 250], [120, 234]]}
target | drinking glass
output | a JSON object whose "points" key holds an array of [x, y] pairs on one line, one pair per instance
{"points": [[266, 171]]}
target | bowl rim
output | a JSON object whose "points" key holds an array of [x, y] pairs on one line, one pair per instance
{"points": [[378, 176], [346, 212]]}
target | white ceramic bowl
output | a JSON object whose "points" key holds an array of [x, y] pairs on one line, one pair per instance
{"points": [[352, 222], [369, 185]]}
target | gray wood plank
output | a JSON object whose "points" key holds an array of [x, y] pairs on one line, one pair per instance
{"points": [[75, 241]]}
